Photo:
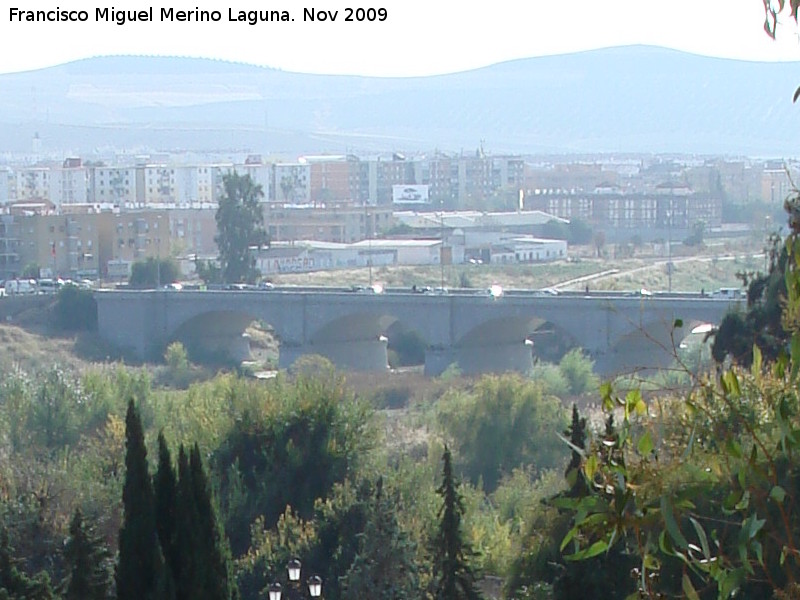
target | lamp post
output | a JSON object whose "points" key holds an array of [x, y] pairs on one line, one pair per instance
{"points": [[293, 590]]}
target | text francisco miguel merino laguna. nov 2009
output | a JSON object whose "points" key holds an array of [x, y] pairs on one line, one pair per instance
{"points": [[196, 15]]}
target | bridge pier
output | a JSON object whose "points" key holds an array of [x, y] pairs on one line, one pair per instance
{"points": [[352, 355], [438, 358], [496, 358]]}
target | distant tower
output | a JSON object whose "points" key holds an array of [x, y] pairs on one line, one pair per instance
{"points": [[36, 144]]}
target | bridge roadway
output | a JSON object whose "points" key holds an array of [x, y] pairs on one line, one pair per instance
{"points": [[479, 332]]}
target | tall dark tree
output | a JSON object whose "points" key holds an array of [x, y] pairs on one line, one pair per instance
{"points": [[762, 323], [140, 565], [240, 225], [153, 272], [577, 438], [89, 562], [14, 583], [211, 551], [456, 577], [165, 486], [186, 576], [384, 567]]}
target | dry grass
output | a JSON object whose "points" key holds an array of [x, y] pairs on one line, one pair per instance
{"points": [[31, 351]]}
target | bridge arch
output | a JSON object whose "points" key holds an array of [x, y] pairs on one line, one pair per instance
{"points": [[650, 347]]}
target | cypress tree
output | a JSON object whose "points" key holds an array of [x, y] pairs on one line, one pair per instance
{"points": [[140, 565], [187, 584], [166, 489], [577, 438], [213, 553], [89, 576], [456, 578]]}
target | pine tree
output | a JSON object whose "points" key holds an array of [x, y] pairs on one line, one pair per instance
{"points": [[456, 578], [15, 584], [89, 576], [140, 565]]}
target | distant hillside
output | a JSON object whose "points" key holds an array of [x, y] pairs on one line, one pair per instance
{"points": [[630, 99]]}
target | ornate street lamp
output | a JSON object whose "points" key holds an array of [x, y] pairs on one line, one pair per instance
{"points": [[294, 590], [315, 586], [275, 591], [294, 570]]}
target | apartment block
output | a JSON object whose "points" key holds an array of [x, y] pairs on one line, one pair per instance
{"points": [[291, 182], [343, 223], [631, 211], [115, 185], [338, 179]]}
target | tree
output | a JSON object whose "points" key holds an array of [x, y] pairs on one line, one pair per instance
{"points": [[165, 489], [89, 561], [578, 369], [240, 225], [384, 568], [503, 423], [576, 433], [15, 584], [214, 578], [288, 451], [154, 272], [140, 565], [76, 309], [762, 324], [456, 579], [695, 238]]}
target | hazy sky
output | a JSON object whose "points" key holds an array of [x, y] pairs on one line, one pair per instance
{"points": [[418, 37]]}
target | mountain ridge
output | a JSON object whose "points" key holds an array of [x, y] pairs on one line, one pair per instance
{"points": [[620, 99]]}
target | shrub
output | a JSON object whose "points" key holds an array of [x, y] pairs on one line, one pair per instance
{"points": [[76, 309]]}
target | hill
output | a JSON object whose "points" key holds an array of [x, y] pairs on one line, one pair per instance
{"points": [[627, 99]]}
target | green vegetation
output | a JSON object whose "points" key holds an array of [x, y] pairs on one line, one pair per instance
{"points": [[154, 272], [762, 323], [456, 577], [76, 309], [240, 226], [346, 475]]}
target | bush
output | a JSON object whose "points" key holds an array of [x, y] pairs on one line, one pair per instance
{"points": [[578, 370], [154, 271], [76, 309], [551, 378], [503, 423]]}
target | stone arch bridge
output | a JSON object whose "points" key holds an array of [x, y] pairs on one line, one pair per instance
{"points": [[479, 332]]}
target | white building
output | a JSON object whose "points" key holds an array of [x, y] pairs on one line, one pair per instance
{"points": [[115, 185], [70, 183], [34, 183], [7, 191]]}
